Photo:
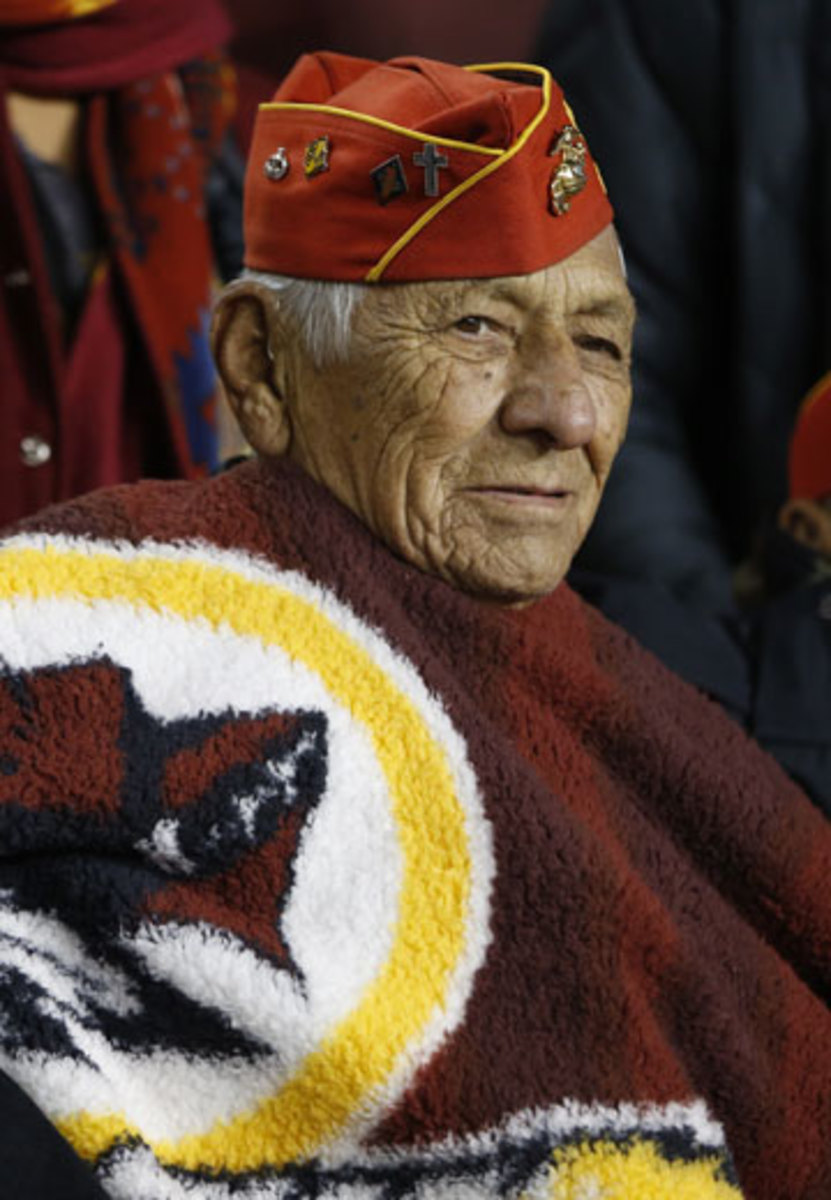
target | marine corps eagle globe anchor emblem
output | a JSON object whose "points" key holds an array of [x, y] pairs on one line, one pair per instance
{"points": [[569, 177]]}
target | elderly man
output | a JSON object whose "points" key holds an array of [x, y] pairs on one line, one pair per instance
{"points": [[346, 853]]}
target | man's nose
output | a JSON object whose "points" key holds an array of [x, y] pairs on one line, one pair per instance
{"points": [[549, 395]]}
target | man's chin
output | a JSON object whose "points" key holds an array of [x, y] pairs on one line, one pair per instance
{"points": [[511, 571], [508, 589]]}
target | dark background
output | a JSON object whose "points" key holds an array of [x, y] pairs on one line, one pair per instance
{"points": [[271, 33]]}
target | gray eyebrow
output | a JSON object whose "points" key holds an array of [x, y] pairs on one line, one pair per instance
{"points": [[614, 302], [508, 291], [612, 306]]}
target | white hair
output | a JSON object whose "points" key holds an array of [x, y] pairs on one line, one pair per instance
{"points": [[323, 309]]}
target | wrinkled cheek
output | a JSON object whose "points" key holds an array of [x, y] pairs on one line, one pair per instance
{"points": [[459, 534], [602, 462], [587, 511], [406, 498], [428, 493], [621, 428], [611, 433]]}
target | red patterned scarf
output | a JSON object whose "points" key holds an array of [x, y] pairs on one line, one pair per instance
{"points": [[160, 100], [99, 51], [46, 12]]}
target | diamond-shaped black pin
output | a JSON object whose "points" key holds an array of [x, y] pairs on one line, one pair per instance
{"points": [[389, 179]]}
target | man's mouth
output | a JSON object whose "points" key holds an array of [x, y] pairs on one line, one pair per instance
{"points": [[525, 494]]}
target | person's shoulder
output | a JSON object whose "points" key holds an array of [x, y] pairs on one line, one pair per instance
{"points": [[170, 509], [122, 512]]}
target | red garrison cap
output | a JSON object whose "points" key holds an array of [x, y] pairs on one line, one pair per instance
{"points": [[809, 464], [414, 169]]}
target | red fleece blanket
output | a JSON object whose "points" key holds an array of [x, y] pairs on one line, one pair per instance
{"points": [[321, 879]]}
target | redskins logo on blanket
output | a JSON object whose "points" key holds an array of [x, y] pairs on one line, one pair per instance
{"points": [[245, 881], [222, 809]]}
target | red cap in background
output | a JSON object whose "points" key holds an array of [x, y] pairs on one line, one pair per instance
{"points": [[809, 464]]}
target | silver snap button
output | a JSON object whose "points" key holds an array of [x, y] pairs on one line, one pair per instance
{"points": [[34, 451], [18, 278], [277, 165]]}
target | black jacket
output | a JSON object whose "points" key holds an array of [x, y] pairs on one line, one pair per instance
{"points": [[711, 120], [35, 1161]]}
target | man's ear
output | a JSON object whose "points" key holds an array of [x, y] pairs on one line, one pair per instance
{"points": [[807, 522], [249, 349]]}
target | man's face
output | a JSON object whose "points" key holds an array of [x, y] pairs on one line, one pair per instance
{"points": [[475, 423]]}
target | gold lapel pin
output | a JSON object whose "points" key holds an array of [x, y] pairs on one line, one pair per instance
{"points": [[316, 158]]}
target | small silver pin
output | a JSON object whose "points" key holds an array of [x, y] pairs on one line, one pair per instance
{"points": [[276, 167]]}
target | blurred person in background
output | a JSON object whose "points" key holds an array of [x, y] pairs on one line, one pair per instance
{"points": [[712, 122], [120, 203], [766, 658], [785, 592], [269, 36]]}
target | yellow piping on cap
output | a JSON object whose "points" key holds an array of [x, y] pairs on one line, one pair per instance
{"points": [[504, 155], [332, 110]]}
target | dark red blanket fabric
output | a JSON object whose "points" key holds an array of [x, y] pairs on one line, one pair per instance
{"points": [[320, 878]]}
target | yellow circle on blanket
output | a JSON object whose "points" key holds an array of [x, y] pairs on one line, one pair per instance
{"points": [[440, 933], [607, 1171]]}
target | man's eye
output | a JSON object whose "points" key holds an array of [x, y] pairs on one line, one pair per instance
{"points": [[473, 326], [599, 345]]}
